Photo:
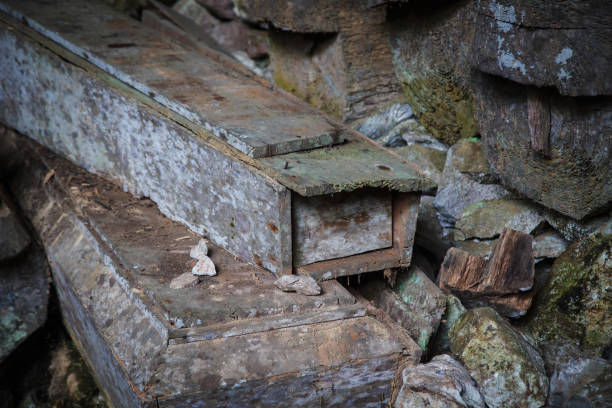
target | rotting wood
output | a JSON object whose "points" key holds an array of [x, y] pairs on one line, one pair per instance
{"points": [[511, 267], [505, 282], [264, 241], [109, 290], [538, 115], [328, 227], [351, 265], [199, 88]]}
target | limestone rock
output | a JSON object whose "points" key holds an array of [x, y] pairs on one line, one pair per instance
{"points": [[577, 380], [204, 267], [454, 310], [231, 35], [429, 160], [379, 124], [505, 364], [199, 251], [486, 219], [549, 244], [430, 233], [184, 280], [24, 295], [575, 304], [442, 383], [416, 303], [575, 178], [302, 285], [430, 56], [460, 186], [13, 237], [224, 9]]}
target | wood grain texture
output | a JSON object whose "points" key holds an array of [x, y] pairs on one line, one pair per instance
{"points": [[462, 273], [197, 87], [538, 115], [577, 178], [340, 225], [565, 44], [511, 267], [106, 131]]}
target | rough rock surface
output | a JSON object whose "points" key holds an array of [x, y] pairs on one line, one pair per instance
{"points": [[24, 294], [302, 285], [429, 160], [506, 365], [575, 304], [13, 237], [425, 304], [454, 310], [460, 186], [442, 383], [577, 380], [430, 56], [416, 303]]}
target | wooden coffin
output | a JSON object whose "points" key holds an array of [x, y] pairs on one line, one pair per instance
{"points": [[231, 340], [258, 172]]}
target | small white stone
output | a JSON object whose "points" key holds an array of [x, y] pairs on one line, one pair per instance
{"points": [[199, 251], [185, 280], [303, 285], [204, 267]]}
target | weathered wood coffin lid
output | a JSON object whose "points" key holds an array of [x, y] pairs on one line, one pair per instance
{"points": [[215, 147]]}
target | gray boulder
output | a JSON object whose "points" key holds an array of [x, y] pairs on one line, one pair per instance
{"points": [[442, 383], [504, 362]]}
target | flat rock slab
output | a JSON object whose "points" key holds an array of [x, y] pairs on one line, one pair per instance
{"points": [[232, 339], [24, 295]]}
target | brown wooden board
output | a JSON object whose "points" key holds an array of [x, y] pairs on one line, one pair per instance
{"points": [[340, 225], [197, 87], [106, 131]]}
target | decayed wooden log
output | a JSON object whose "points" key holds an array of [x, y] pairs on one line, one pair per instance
{"points": [[564, 44], [576, 177], [510, 268], [504, 282]]}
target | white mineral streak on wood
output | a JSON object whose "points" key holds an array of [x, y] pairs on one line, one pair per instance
{"points": [[201, 89], [102, 130], [340, 225]]}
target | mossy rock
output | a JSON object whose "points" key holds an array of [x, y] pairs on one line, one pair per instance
{"points": [[575, 305], [507, 367], [431, 60]]}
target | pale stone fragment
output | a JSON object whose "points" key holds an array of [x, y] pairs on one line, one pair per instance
{"points": [[204, 267]]}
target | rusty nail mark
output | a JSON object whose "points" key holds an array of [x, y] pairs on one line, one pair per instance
{"points": [[273, 227]]}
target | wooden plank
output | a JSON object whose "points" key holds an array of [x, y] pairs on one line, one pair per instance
{"points": [[405, 214], [106, 131], [340, 225], [351, 166], [352, 265], [197, 87], [462, 272], [262, 324]]}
